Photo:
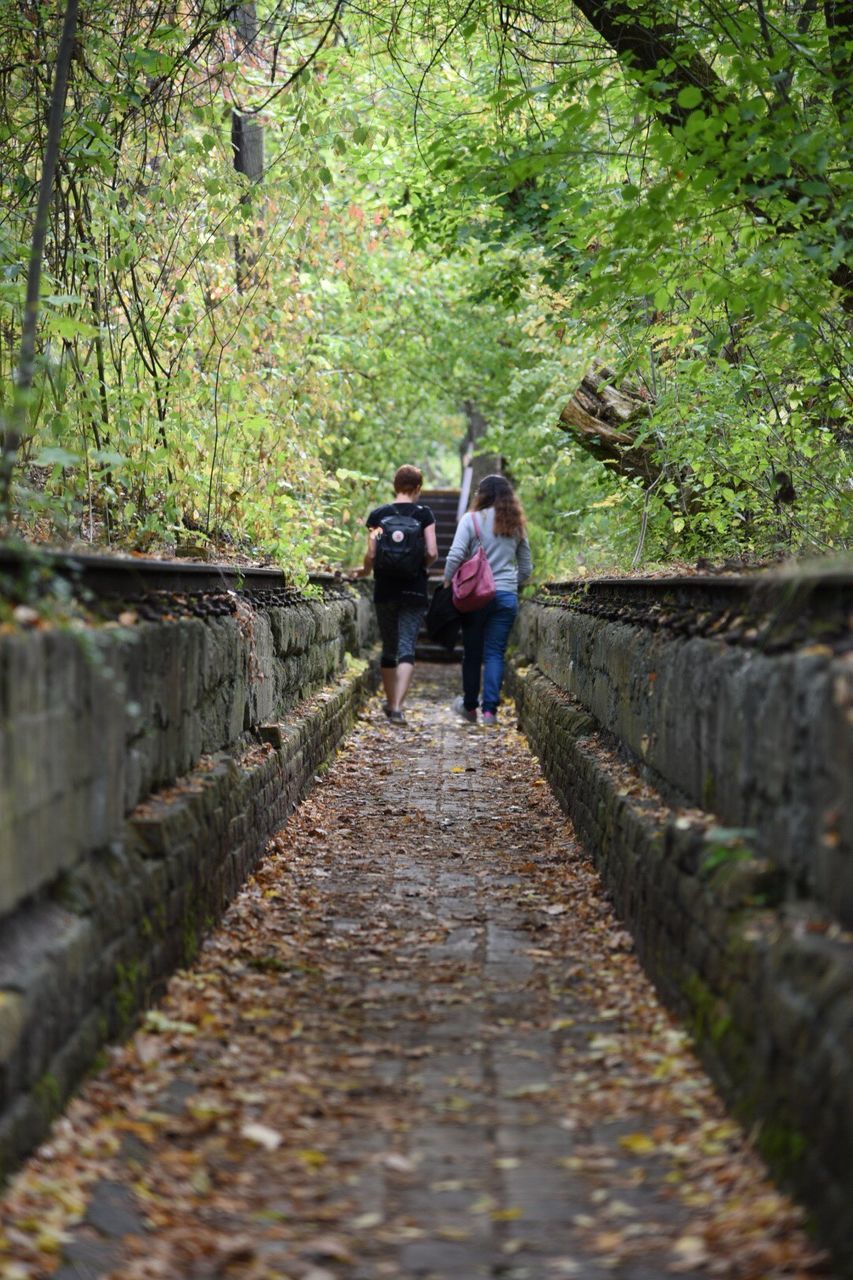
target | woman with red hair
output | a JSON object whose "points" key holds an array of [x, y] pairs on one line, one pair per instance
{"points": [[401, 544]]}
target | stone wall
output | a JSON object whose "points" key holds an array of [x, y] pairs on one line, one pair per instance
{"points": [[707, 779], [762, 739], [142, 768]]}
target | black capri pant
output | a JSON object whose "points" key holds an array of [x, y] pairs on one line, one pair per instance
{"points": [[399, 624]]}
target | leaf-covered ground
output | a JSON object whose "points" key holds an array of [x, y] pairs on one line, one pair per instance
{"points": [[419, 1045]]}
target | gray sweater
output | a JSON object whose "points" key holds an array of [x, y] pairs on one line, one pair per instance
{"points": [[509, 558]]}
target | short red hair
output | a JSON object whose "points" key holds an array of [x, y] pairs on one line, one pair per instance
{"points": [[407, 479]]}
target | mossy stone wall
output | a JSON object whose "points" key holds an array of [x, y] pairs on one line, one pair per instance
{"points": [[142, 770], [738, 902]]}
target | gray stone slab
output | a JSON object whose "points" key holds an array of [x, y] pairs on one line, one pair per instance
{"points": [[114, 1211], [85, 1259]]}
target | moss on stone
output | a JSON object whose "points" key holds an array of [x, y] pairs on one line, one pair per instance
{"points": [[48, 1093], [782, 1146], [126, 989], [710, 1019], [189, 939]]}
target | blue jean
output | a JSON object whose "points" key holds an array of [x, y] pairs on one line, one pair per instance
{"points": [[485, 633]]}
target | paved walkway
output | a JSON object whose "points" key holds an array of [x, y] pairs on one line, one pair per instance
{"points": [[418, 1046]]}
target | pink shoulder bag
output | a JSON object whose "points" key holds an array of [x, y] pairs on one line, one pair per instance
{"points": [[473, 582]]}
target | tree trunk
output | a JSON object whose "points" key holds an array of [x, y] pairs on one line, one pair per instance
{"points": [[838, 15], [601, 417], [12, 427], [247, 141]]}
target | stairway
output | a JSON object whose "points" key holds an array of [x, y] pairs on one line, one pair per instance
{"points": [[443, 503]]}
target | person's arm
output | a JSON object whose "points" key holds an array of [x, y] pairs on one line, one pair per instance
{"points": [[369, 554], [459, 549], [431, 545], [524, 561]]}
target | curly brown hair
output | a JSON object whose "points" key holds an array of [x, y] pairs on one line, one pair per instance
{"points": [[497, 492]]}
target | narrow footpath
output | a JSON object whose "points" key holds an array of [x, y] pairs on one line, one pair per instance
{"points": [[419, 1045]]}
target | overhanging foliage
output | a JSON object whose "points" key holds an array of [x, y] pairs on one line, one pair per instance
{"points": [[286, 248]]}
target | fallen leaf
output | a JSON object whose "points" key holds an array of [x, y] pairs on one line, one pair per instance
{"points": [[365, 1221], [327, 1248], [156, 1020], [639, 1144], [529, 1090], [262, 1135], [313, 1159], [689, 1252]]}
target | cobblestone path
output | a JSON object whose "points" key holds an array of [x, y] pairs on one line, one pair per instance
{"points": [[419, 1045]]}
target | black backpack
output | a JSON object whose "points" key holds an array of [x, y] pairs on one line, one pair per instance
{"points": [[400, 546]]}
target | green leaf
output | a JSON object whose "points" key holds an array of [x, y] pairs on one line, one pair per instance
{"points": [[108, 458], [54, 456], [690, 96], [66, 327]]}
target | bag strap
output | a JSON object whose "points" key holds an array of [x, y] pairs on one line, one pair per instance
{"points": [[476, 529]]}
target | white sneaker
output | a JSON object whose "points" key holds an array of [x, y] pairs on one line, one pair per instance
{"points": [[470, 717]]}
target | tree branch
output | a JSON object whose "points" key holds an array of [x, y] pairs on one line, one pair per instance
{"points": [[647, 46]]}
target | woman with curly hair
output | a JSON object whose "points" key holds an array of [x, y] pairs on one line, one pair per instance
{"points": [[498, 514]]}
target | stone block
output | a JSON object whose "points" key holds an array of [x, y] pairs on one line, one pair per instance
{"points": [[11, 1026], [273, 734]]}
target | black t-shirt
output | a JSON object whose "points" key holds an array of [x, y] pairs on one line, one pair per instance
{"points": [[386, 588]]}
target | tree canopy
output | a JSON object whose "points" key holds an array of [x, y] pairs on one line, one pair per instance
{"points": [[286, 245]]}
